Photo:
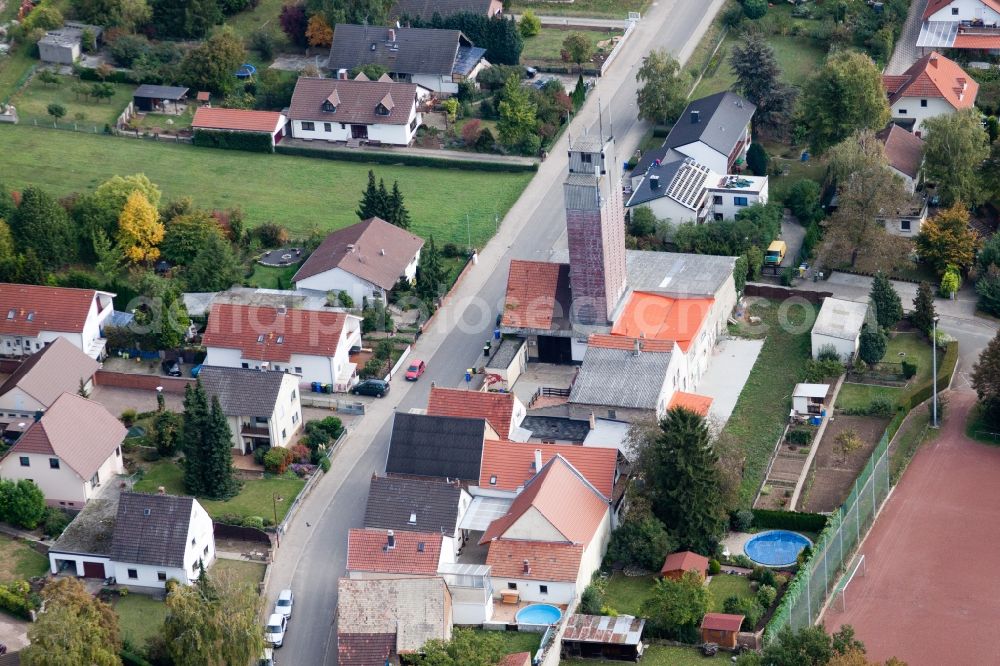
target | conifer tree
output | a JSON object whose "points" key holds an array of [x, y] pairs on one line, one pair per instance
{"points": [[397, 212], [888, 307], [192, 441], [220, 482], [923, 309], [372, 199], [430, 272]]}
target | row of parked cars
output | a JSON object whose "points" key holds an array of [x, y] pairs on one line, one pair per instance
{"points": [[277, 623]]}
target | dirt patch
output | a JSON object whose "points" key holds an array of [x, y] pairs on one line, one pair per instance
{"points": [[833, 474]]}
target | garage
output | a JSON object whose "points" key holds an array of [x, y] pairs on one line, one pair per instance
{"points": [[93, 570], [552, 349]]}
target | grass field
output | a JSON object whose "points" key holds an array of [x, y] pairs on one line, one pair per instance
{"points": [[263, 16], [253, 500], [297, 192], [662, 655], [723, 586], [518, 641], [798, 57], [618, 9], [159, 120], [33, 100], [140, 617], [248, 572], [915, 349], [762, 409], [19, 561], [272, 277], [626, 593], [547, 44]]}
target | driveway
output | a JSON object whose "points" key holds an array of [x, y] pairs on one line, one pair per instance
{"points": [[793, 234], [13, 633], [117, 400], [732, 361]]}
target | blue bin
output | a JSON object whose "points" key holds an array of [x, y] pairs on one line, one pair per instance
{"points": [[317, 387], [816, 420]]}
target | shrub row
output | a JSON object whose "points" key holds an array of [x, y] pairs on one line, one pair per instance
{"points": [[254, 142], [788, 520], [15, 599], [116, 76], [945, 370], [404, 159]]}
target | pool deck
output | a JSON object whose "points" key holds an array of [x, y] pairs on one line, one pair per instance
{"points": [[507, 613], [735, 543]]}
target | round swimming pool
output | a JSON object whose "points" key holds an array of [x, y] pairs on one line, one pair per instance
{"points": [[776, 548], [538, 614]]}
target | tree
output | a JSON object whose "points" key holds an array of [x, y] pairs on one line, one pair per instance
{"points": [[955, 147], [374, 200], [139, 230], [757, 159], [466, 648], [294, 23], [923, 313], [680, 471], [195, 422], [844, 96], [125, 14], [213, 623], [847, 443], [76, 628], [40, 224], [7, 204], [988, 289], [212, 64], [22, 503], [318, 32], [166, 432], [470, 132], [57, 111], [947, 239], [186, 234], [499, 35], [951, 281], [809, 646], [220, 479], [186, 18], [397, 212], [431, 274], [663, 88], [102, 90], [754, 9], [985, 380], [872, 344], [42, 18], [579, 95], [578, 48], [885, 300], [803, 198], [641, 540], [214, 268], [530, 24], [642, 221], [675, 607], [740, 271], [518, 114]]}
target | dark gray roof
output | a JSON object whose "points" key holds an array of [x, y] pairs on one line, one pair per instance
{"points": [[426, 9], [393, 500], [436, 446], [415, 50], [151, 529], [242, 392], [505, 352], [467, 59], [91, 531], [160, 92], [646, 192], [677, 274], [620, 378], [556, 428]]}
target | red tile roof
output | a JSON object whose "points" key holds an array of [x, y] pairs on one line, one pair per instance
{"points": [[699, 404], [366, 551], [265, 334], [563, 497], [967, 41], [934, 76], [513, 463], [496, 408], [934, 6], [365, 649], [546, 561], [685, 560], [628, 344], [516, 659], [533, 289], [354, 101], [45, 375], [50, 309], [721, 622], [240, 120], [658, 317], [904, 150]]}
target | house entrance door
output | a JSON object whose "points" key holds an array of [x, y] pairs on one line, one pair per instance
{"points": [[359, 131]]}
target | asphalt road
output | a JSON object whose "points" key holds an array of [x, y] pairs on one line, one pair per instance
{"points": [[313, 554]]}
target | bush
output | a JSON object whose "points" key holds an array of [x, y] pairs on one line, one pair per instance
{"points": [[277, 459], [909, 369], [484, 143], [641, 542], [766, 596], [591, 600], [743, 520], [714, 567], [789, 520], [754, 9], [828, 353], [803, 199], [126, 49], [817, 371], [271, 235], [15, 598], [300, 454], [253, 142], [881, 406], [55, 522], [742, 561], [530, 24], [128, 417], [799, 437], [788, 276], [22, 503], [757, 159], [256, 522], [324, 464], [259, 453], [748, 607], [762, 575]]}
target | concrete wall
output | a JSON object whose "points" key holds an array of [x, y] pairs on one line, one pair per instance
{"points": [[141, 382]]}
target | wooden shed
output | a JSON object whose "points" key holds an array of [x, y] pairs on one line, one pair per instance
{"points": [[599, 636], [148, 97], [677, 563], [721, 628]]}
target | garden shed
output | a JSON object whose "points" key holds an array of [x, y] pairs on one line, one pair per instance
{"points": [[148, 97], [721, 628], [809, 399], [680, 562], [838, 325], [605, 637]]}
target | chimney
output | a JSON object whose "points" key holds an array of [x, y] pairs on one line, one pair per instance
{"points": [[593, 421], [263, 366], [654, 182], [538, 459], [933, 62], [695, 117], [392, 34], [390, 540], [282, 310], [160, 490], [342, 74], [38, 415], [382, 252], [638, 347], [526, 568]]}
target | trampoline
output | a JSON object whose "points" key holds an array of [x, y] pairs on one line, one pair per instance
{"points": [[245, 71]]}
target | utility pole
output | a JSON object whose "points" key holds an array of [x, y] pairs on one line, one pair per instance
{"points": [[934, 390]]}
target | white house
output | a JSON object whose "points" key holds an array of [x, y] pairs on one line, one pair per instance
{"points": [[32, 315], [69, 451], [313, 344], [428, 506], [383, 111], [960, 24], [905, 153], [365, 260], [41, 378], [685, 190], [240, 121], [140, 540], [263, 408], [838, 325], [932, 86]]}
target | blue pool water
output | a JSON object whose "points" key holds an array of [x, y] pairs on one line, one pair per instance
{"points": [[538, 614], [776, 548]]}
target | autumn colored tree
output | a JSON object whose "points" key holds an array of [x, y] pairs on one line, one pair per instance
{"points": [[947, 239], [139, 230], [318, 32], [76, 628]]}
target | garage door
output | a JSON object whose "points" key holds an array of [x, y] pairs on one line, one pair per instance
{"points": [[93, 570]]}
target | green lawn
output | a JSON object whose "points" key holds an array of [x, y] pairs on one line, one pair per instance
{"points": [[33, 100], [618, 9], [298, 192], [915, 349], [248, 572], [798, 57], [723, 586], [12, 67], [662, 655], [762, 409], [517, 641], [547, 44], [264, 16], [160, 120], [625, 594], [19, 561], [272, 277], [255, 499], [140, 617]]}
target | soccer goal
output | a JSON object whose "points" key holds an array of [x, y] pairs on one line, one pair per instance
{"points": [[857, 565]]}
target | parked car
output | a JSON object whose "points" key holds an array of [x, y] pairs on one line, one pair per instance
{"points": [[415, 370], [171, 368], [283, 606], [375, 387], [274, 630], [267, 659]]}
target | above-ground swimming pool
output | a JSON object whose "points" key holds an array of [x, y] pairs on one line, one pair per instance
{"points": [[776, 548], [538, 614]]}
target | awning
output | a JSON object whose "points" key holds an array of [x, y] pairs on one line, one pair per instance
{"points": [[483, 511]]}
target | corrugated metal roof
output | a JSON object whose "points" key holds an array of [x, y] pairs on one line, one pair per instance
{"points": [[620, 630], [620, 378], [840, 319]]}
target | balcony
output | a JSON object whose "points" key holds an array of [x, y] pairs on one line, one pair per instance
{"points": [[250, 430]]}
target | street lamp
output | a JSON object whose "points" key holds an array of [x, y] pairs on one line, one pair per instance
{"points": [[275, 498], [934, 390]]}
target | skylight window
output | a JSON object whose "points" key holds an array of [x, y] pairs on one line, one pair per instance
{"points": [[11, 313], [31, 316], [413, 519], [493, 480], [260, 338], [281, 339]]}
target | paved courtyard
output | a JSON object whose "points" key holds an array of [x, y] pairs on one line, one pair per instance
{"points": [[732, 361]]}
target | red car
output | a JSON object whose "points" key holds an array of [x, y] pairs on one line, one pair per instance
{"points": [[415, 370]]}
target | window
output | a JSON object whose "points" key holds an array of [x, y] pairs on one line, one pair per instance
{"points": [[260, 420], [544, 589], [10, 315], [193, 541], [295, 418], [31, 316], [612, 414], [282, 433], [717, 217], [277, 368], [902, 112], [308, 126], [298, 370], [161, 575], [585, 158], [923, 103], [717, 199], [740, 201], [511, 586], [133, 574], [954, 11], [293, 395], [904, 225], [381, 110], [327, 127], [281, 340], [493, 480], [260, 338], [205, 551], [118, 451], [413, 124], [329, 108], [245, 366], [54, 463], [25, 462], [343, 125]]}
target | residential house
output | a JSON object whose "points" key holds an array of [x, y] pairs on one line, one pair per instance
{"points": [[378, 553], [426, 9], [503, 411], [679, 563], [57, 368], [932, 86], [140, 540], [552, 538], [960, 24], [382, 111], [64, 46], [313, 344], [34, 315], [510, 465], [69, 451], [905, 153], [838, 325], [240, 121], [365, 261], [435, 59], [261, 406], [418, 505], [410, 610], [444, 447], [686, 191]]}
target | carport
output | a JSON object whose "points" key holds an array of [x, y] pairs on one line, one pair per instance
{"points": [[148, 97]]}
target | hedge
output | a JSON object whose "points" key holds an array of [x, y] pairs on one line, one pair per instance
{"points": [[130, 658], [945, 370], [116, 76], [789, 520], [404, 159], [15, 600], [254, 142]]}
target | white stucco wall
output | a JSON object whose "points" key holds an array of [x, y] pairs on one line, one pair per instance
{"points": [[438, 83], [846, 348], [666, 208], [61, 487], [909, 108], [532, 525], [728, 207], [338, 279], [594, 554], [328, 129], [18, 404], [968, 10], [78, 560], [559, 592]]}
